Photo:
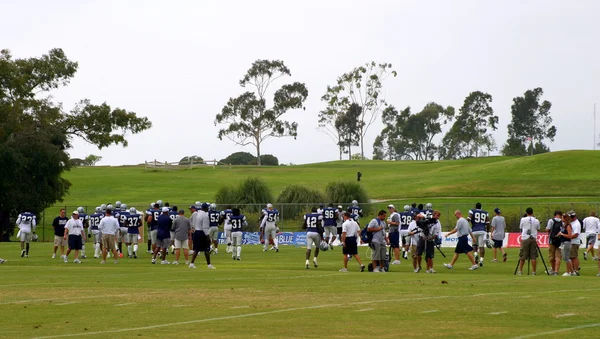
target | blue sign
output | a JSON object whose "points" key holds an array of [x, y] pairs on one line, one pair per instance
{"points": [[285, 238]]}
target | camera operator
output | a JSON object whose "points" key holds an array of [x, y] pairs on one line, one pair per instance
{"points": [[430, 228], [415, 235]]}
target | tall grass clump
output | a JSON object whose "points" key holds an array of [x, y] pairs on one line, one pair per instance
{"points": [[343, 192], [249, 195], [295, 199]]}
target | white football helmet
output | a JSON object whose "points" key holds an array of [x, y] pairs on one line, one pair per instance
{"points": [[212, 207], [80, 210], [406, 208], [269, 205], [324, 246], [123, 207], [428, 206], [159, 202], [98, 209], [34, 237], [354, 203], [109, 207], [118, 204], [103, 208], [133, 210], [152, 204], [198, 204]]}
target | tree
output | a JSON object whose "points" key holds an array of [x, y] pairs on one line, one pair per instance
{"points": [[91, 160], [248, 120], [361, 86], [76, 162], [411, 136], [470, 133], [266, 160], [239, 158], [35, 132], [531, 123], [196, 159]]}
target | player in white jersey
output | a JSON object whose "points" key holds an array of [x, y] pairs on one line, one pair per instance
{"points": [[225, 214], [269, 225], [26, 223], [591, 226]]}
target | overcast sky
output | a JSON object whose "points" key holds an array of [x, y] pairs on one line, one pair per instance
{"points": [[178, 62]]}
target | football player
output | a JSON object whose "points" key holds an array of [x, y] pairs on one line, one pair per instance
{"points": [[314, 233], [479, 220], [428, 211], [173, 214], [355, 210], [148, 212], [134, 225], [269, 225], [152, 220], [95, 231], [85, 219], [122, 217], [26, 222], [238, 222], [340, 222], [214, 217], [227, 227], [414, 210], [405, 218], [330, 218], [321, 208]]}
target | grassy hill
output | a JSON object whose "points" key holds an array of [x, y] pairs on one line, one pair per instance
{"points": [[570, 174]]}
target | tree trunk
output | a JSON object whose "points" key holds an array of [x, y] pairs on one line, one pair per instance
{"points": [[362, 148], [349, 149], [258, 153]]}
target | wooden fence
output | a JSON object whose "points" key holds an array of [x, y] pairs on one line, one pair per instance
{"points": [[154, 165]]}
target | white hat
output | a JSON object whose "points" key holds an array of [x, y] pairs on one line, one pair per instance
{"points": [[165, 209], [75, 212], [340, 207], [391, 206], [422, 215]]}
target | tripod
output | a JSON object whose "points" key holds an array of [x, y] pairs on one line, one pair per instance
{"points": [[529, 261]]}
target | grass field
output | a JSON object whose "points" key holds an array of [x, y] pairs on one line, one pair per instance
{"points": [[271, 295]]}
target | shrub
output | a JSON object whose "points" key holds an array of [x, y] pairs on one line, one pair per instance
{"points": [[266, 160], [238, 158], [343, 192], [301, 197], [250, 195]]}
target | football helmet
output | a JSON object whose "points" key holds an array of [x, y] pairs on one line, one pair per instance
{"points": [[133, 210], [406, 208], [213, 207], [152, 204], [98, 209], [428, 206], [123, 207], [324, 246], [118, 204], [159, 202], [80, 210], [354, 203], [103, 207], [109, 207]]}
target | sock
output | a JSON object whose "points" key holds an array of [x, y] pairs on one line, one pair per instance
{"points": [[149, 244], [120, 247], [82, 250], [239, 251], [207, 256], [129, 250], [276, 241], [96, 249], [27, 248], [135, 249]]}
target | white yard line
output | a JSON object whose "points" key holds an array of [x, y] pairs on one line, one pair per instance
{"points": [[430, 311], [285, 310], [565, 315], [59, 299], [539, 334], [68, 303], [238, 307], [365, 309], [497, 313], [125, 304]]}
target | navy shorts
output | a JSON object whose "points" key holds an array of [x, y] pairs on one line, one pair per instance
{"points": [[75, 242], [463, 245], [339, 231], [426, 247], [395, 239], [351, 247], [201, 242], [498, 243]]}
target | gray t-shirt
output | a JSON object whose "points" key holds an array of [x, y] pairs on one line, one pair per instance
{"points": [[462, 227], [378, 237], [181, 227], [499, 225], [394, 218]]}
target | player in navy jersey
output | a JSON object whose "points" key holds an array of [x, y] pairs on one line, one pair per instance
{"points": [[238, 222], [405, 218], [95, 231], [355, 210], [134, 225], [314, 233], [121, 215], [85, 220], [214, 218], [173, 214], [26, 222], [330, 217], [479, 220], [152, 221], [428, 211], [227, 227], [414, 210]]}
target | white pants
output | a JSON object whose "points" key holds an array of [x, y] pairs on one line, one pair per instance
{"points": [[270, 231], [181, 244], [97, 236], [131, 238], [213, 233], [236, 238], [25, 236], [479, 238], [228, 234], [122, 234], [312, 237], [330, 231]]}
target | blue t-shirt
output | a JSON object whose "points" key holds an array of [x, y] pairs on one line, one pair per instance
{"points": [[133, 222], [164, 227], [405, 219], [478, 219], [95, 220], [312, 221], [213, 218], [329, 216], [237, 222], [271, 215]]}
